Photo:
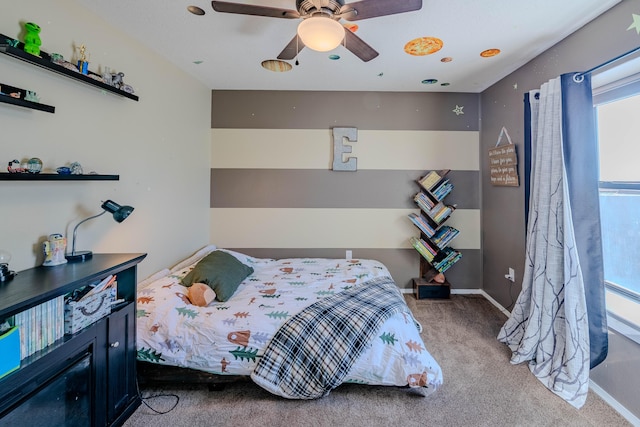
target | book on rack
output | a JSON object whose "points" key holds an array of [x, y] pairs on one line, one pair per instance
{"points": [[445, 259], [40, 326], [444, 212], [425, 203], [429, 180], [435, 211], [444, 236], [422, 224], [442, 190], [423, 248]]}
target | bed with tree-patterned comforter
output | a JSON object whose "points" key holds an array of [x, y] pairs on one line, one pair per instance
{"points": [[231, 337]]}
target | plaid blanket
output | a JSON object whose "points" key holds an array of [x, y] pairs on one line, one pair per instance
{"points": [[312, 352]]}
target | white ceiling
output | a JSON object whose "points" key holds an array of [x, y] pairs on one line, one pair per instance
{"points": [[232, 47]]}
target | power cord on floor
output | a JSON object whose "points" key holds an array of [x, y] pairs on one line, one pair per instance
{"points": [[155, 396], [512, 303]]}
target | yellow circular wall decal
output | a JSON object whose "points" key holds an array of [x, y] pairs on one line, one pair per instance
{"points": [[276, 65], [423, 46], [489, 53]]}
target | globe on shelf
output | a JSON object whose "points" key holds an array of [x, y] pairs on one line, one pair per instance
{"points": [[34, 165], [5, 273], [5, 257]]}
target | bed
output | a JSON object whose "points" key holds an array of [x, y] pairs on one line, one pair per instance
{"points": [[298, 327]]}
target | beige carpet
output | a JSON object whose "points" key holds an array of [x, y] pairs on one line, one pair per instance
{"points": [[481, 388]]}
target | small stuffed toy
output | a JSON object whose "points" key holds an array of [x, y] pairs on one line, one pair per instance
{"points": [[201, 294], [439, 278]]}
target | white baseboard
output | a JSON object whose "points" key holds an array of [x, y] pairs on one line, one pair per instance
{"points": [[484, 294], [470, 292], [609, 400]]}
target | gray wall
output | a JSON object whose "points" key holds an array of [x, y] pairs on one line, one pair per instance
{"points": [[503, 222], [266, 191]]}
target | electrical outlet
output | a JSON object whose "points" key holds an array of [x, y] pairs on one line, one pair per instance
{"points": [[511, 276], [349, 254]]}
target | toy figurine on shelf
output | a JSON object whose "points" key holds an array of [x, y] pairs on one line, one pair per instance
{"points": [[76, 168], [54, 248], [31, 96], [117, 81], [83, 64], [14, 166], [57, 58], [32, 40], [9, 41]]}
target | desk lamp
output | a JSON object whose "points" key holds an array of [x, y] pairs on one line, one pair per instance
{"points": [[120, 213]]}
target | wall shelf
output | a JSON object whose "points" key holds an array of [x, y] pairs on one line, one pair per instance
{"points": [[27, 104], [55, 177], [59, 69]]}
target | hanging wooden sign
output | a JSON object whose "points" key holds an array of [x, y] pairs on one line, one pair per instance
{"points": [[503, 162]]}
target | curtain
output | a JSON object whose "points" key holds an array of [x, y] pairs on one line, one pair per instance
{"points": [[558, 324]]}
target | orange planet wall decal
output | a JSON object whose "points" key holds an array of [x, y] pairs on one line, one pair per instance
{"points": [[351, 27], [489, 53], [423, 46]]}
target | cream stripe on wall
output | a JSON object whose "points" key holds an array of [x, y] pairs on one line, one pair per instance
{"points": [[313, 149], [329, 228]]}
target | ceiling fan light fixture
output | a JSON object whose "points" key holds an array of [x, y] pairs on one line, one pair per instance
{"points": [[321, 33]]}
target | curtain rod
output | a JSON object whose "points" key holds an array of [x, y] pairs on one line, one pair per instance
{"points": [[579, 77]]}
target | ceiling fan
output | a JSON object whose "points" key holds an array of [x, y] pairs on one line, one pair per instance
{"points": [[320, 28]]}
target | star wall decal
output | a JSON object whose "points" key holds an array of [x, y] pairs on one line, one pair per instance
{"points": [[636, 23], [515, 86], [458, 110]]}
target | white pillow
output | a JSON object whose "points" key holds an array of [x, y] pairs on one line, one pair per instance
{"points": [[193, 258], [245, 259]]}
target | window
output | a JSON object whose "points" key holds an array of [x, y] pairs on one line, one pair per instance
{"points": [[617, 104]]}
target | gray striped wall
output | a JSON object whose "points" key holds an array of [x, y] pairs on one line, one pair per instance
{"points": [[364, 110], [273, 193]]}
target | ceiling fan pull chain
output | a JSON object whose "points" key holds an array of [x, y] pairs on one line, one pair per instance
{"points": [[297, 50]]}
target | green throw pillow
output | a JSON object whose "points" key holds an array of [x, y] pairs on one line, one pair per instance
{"points": [[221, 271]]}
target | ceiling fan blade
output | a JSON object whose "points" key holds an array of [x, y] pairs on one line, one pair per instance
{"points": [[292, 49], [365, 9], [248, 9], [358, 47]]}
